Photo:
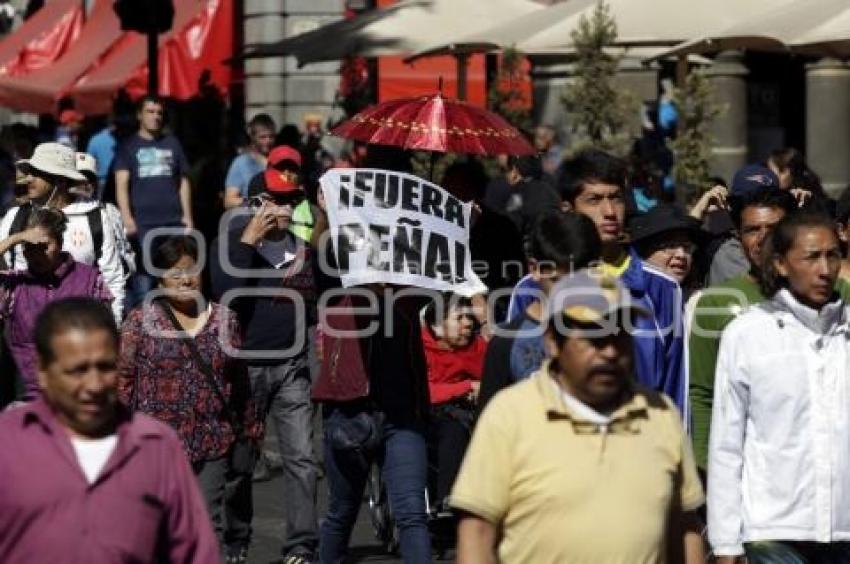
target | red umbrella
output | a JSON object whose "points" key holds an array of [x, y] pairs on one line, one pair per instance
{"points": [[435, 123]]}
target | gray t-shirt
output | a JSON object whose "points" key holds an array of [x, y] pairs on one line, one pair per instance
{"points": [[728, 262]]}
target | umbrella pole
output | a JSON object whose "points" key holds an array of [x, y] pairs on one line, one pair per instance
{"points": [[153, 63], [433, 164]]}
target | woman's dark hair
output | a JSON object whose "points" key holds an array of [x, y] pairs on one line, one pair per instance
{"points": [[569, 241], [50, 219], [388, 157], [466, 179], [792, 160], [781, 241], [591, 166], [787, 158], [529, 166], [438, 309], [842, 207], [172, 249], [288, 135]]}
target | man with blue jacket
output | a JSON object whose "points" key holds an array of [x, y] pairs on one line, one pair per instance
{"points": [[593, 184]]}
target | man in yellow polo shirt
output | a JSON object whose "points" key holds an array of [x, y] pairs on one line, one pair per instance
{"points": [[578, 464]]}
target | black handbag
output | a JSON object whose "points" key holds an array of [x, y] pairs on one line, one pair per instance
{"points": [[244, 451], [362, 431], [356, 435]]}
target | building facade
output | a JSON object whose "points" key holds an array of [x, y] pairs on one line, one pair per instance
{"points": [[276, 85]]}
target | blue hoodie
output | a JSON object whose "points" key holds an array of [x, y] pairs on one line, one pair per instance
{"points": [[659, 352]]}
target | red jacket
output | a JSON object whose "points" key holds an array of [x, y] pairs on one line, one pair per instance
{"points": [[451, 372]]}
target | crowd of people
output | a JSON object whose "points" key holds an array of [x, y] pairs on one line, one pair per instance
{"points": [[642, 383]]}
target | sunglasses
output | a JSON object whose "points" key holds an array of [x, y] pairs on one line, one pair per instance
{"points": [[290, 199]]}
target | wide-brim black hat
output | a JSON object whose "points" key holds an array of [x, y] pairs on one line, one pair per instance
{"points": [[665, 218]]}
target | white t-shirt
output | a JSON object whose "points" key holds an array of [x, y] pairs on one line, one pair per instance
{"points": [[582, 409], [92, 454]]}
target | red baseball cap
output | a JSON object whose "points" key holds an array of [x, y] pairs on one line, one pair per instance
{"points": [[283, 153], [70, 116], [275, 180], [277, 183]]}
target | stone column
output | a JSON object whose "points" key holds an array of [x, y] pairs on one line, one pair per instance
{"points": [[728, 76], [828, 123], [276, 85], [549, 78], [641, 82]]}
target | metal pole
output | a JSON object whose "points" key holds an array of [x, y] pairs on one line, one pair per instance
{"points": [[153, 63], [681, 70], [462, 67]]}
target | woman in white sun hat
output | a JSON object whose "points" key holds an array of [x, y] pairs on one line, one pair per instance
{"points": [[52, 173]]}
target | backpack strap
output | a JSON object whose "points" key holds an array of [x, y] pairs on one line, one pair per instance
{"points": [[95, 220], [19, 222]]}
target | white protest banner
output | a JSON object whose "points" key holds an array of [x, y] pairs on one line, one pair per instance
{"points": [[396, 228]]}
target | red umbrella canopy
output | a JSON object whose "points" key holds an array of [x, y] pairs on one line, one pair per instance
{"points": [[435, 123]]}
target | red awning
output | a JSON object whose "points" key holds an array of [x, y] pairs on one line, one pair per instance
{"points": [[201, 42], [105, 59], [41, 39], [39, 91]]}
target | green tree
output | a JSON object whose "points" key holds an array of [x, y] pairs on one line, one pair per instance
{"points": [[505, 97], [431, 165], [598, 111], [697, 109]]}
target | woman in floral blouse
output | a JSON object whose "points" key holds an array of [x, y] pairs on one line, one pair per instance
{"points": [[201, 393]]}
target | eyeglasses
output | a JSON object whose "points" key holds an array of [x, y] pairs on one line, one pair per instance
{"points": [[293, 199], [179, 273]]}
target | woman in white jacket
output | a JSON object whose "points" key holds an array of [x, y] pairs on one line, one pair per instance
{"points": [[779, 451]]}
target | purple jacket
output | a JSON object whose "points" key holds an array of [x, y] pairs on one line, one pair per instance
{"points": [[24, 296], [144, 507]]}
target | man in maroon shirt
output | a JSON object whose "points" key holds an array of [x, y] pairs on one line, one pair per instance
{"points": [[82, 480]]}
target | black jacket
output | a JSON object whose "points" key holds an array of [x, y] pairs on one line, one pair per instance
{"points": [[269, 323]]}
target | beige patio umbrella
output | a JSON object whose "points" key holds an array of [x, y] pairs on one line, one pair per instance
{"points": [[401, 29], [639, 23], [818, 27]]}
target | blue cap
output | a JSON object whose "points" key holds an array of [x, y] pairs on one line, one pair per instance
{"points": [[753, 178]]}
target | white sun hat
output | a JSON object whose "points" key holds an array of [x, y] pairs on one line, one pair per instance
{"points": [[56, 159], [86, 163]]}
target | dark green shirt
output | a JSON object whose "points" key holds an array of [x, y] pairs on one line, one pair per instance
{"points": [[716, 307]]}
